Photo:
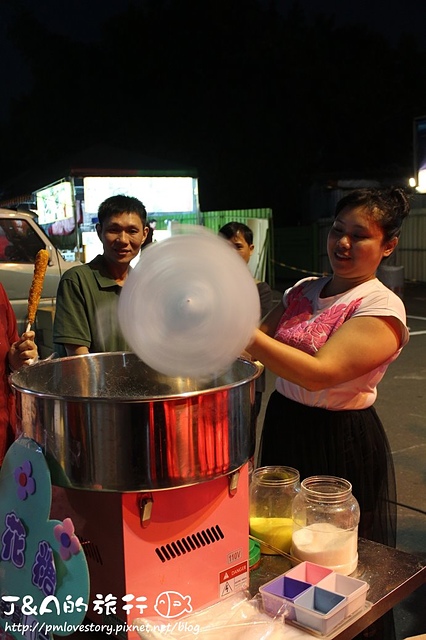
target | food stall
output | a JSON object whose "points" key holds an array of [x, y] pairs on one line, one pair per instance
{"points": [[65, 195], [34, 602], [67, 207], [150, 470]]}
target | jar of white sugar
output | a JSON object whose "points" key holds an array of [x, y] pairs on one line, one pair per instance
{"points": [[325, 523]]}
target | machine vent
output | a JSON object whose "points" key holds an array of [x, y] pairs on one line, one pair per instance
{"points": [[90, 550], [195, 541]]}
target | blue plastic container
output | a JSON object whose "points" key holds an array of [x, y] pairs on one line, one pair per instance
{"points": [[320, 609]]}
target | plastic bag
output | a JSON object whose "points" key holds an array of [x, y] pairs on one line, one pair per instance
{"points": [[238, 617]]}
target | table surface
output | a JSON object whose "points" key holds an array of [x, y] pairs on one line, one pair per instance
{"points": [[391, 574]]}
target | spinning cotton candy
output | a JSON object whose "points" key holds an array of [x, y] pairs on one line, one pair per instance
{"points": [[190, 306]]}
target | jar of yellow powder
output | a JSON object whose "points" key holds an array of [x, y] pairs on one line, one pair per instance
{"points": [[272, 491]]}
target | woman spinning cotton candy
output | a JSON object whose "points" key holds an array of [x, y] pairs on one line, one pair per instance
{"points": [[330, 342]]}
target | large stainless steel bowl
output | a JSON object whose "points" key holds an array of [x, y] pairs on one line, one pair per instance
{"points": [[107, 422]]}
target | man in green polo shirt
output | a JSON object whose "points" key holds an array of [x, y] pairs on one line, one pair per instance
{"points": [[86, 302]]}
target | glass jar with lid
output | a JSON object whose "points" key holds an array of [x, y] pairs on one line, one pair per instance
{"points": [[325, 523], [272, 491]]}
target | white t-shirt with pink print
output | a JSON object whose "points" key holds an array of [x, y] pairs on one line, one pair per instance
{"points": [[308, 322]]}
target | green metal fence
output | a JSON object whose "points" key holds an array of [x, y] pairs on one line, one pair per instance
{"points": [[214, 220]]}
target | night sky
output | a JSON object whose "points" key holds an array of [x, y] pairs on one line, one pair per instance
{"points": [[82, 20], [235, 120]]}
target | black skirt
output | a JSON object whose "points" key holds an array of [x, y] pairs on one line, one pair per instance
{"points": [[348, 444]]}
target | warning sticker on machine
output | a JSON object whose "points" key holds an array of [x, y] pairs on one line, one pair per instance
{"points": [[233, 579]]}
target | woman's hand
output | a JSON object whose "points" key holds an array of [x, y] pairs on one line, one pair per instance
{"points": [[23, 352]]}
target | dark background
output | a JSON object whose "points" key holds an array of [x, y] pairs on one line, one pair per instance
{"points": [[264, 98]]}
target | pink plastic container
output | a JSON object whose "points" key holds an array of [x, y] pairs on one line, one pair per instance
{"points": [[309, 572], [314, 597]]}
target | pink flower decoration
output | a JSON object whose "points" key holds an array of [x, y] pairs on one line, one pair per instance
{"points": [[24, 480], [299, 309], [70, 544], [311, 336]]}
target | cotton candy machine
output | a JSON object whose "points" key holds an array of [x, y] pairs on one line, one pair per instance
{"points": [[153, 472]]}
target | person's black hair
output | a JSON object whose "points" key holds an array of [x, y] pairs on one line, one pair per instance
{"points": [[230, 229], [115, 205], [388, 206]]}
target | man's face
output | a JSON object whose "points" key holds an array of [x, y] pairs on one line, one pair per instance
{"points": [[122, 236], [241, 245]]}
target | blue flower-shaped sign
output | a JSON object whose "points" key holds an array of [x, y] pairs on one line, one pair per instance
{"points": [[42, 566]]}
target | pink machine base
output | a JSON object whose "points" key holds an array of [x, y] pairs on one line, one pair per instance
{"points": [[191, 552]]}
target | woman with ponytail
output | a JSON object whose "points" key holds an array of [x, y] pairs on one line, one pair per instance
{"points": [[330, 341]]}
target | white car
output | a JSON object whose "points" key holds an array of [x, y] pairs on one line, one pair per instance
{"points": [[20, 240]]}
